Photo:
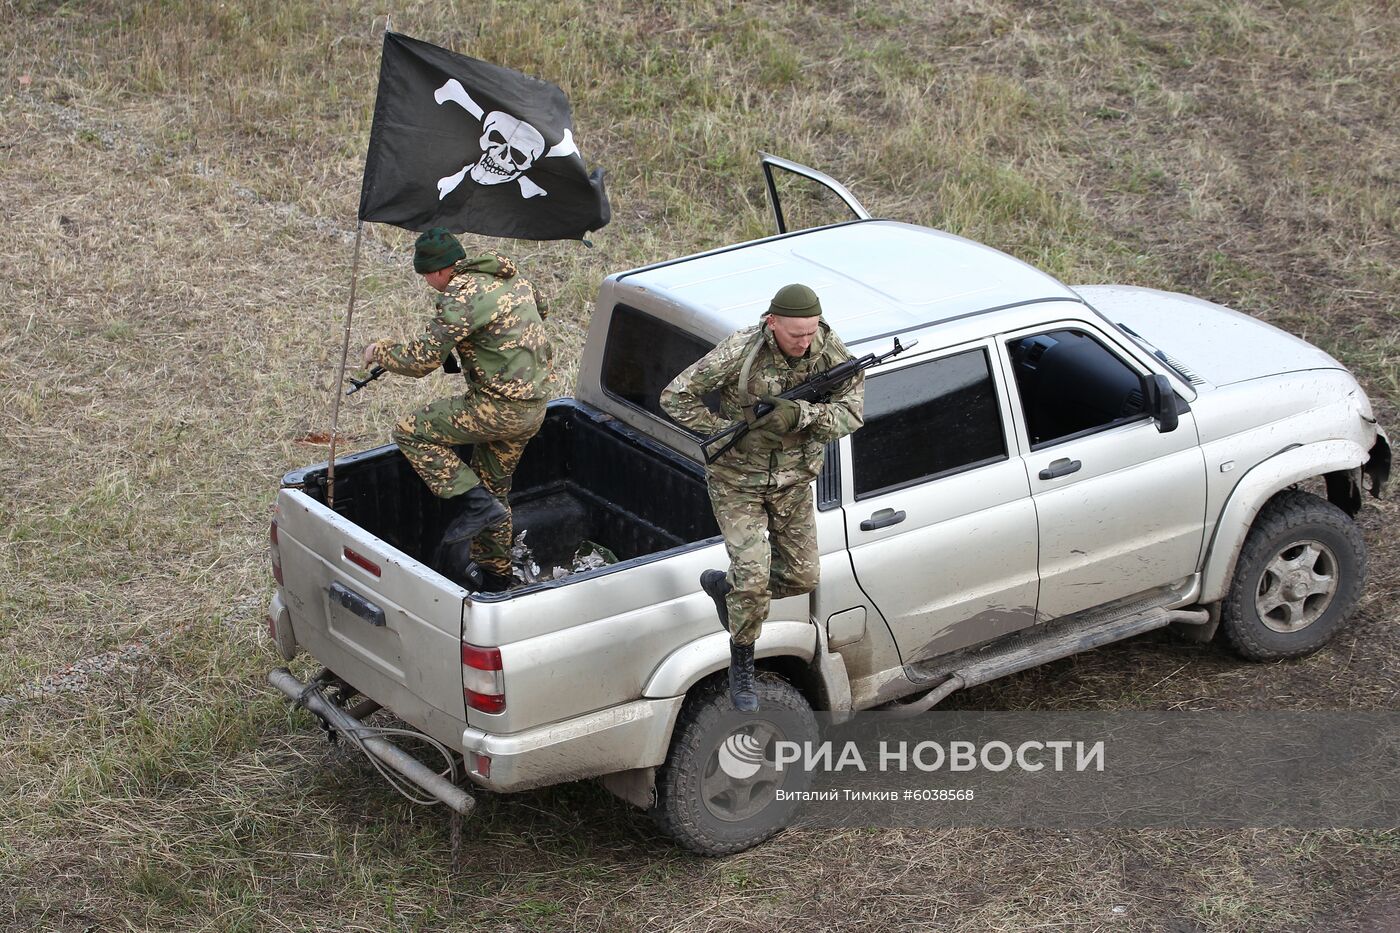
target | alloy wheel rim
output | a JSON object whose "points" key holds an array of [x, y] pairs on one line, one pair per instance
{"points": [[741, 777], [1297, 586]]}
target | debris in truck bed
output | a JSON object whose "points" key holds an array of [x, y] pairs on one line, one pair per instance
{"points": [[591, 555], [525, 569], [522, 561]]}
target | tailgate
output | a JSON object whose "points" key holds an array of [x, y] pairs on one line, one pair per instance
{"points": [[395, 634]]}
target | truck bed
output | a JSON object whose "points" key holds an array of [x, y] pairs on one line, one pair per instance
{"points": [[584, 477]]}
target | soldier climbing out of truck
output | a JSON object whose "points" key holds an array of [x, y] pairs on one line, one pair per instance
{"points": [[492, 317], [761, 491]]}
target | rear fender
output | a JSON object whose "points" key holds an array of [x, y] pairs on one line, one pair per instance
{"points": [[684, 667]]}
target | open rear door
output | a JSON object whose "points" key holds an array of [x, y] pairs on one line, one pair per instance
{"points": [[820, 180]]}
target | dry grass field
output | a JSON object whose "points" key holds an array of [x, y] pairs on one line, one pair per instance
{"points": [[178, 185]]}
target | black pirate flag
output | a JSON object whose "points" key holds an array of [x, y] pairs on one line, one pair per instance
{"points": [[471, 146]]}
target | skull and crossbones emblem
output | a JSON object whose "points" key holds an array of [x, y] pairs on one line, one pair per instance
{"points": [[509, 146]]}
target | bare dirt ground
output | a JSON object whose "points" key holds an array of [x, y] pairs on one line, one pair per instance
{"points": [[179, 184]]}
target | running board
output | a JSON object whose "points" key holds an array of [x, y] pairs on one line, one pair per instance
{"points": [[1040, 646]]}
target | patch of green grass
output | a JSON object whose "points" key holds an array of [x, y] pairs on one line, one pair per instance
{"points": [[168, 887], [119, 331], [739, 878], [533, 911], [1243, 912], [1227, 273]]}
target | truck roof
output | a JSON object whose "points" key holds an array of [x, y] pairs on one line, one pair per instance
{"points": [[873, 277]]}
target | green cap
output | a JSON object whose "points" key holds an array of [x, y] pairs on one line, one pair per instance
{"points": [[795, 301], [436, 249]]}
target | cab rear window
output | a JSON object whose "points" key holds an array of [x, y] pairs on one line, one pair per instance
{"points": [[642, 355]]}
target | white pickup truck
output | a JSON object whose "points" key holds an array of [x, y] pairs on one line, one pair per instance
{"points": [[1051, 469]]}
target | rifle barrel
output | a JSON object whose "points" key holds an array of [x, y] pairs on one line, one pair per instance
{"points": [[358, 384]]}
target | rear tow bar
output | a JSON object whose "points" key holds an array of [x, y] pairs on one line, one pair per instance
{"points": [[311, 696]]}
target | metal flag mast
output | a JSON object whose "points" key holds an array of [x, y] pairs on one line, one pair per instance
{"points": [[340, 378]]}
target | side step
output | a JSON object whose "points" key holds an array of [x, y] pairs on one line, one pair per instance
{"points": [[1044, 644], [311, 696]]}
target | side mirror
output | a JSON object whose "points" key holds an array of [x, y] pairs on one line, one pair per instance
{"points": [[1159, 400]]}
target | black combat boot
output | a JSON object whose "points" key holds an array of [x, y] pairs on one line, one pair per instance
{"points": [[741, 686], [717, 585], [492, 582], [480, 510], [454, 561]]}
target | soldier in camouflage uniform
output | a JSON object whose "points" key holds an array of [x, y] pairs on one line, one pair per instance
{"points": [[761, 490], [493, 318]]}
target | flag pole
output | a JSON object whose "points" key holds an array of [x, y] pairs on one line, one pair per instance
{"points": [[340, 379]]}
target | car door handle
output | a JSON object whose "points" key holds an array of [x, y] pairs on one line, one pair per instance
{"points": [[883, 519], [1062, 467]]}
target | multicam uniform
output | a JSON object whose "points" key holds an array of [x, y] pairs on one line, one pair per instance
{"points": [[493, 318], [762, 499]]}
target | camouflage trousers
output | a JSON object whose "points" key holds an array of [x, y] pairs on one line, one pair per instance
{"points": [[497, 429], [771, 537]]}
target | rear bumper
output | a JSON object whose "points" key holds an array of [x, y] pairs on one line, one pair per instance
{"points": [[620, 738], [312, 696]]}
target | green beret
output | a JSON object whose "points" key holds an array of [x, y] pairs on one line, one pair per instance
{"points": [[795, 301], [436, 249]]}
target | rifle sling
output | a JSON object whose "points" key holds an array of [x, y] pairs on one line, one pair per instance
{"points": [[747, 398]]}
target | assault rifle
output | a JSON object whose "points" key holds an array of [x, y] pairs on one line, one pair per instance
{"points": [[818, 387], [449, 365], [358, 384]]}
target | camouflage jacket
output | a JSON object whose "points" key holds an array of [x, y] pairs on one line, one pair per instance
{"points": [[800, 459], [493, 318]]}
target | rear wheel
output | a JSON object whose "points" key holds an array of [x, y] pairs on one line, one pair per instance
{"points": [[1297, 581], [717, 792]]}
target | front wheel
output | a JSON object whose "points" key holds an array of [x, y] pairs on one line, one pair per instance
{"points": [[717, 792], [1298, 578]]}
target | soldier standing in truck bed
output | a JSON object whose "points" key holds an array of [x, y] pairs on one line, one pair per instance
{"points": [[761, 490], [493, 318]]}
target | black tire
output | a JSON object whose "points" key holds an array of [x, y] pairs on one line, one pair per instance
{"points": [[1297, 581], [706, 809]]}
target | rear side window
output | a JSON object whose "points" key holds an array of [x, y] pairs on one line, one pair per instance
{"points": [[642, 355], [926, 421], [1070, 385]]}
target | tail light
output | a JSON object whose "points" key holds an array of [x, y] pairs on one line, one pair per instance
{"points": [[483, 680], [275, 551]]}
